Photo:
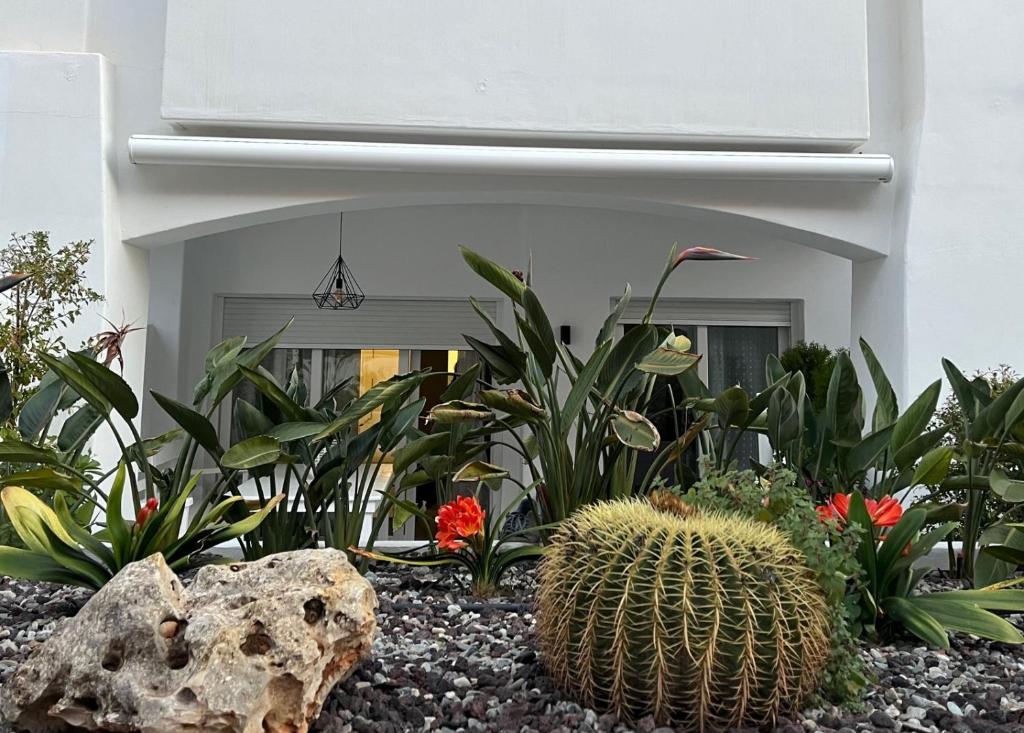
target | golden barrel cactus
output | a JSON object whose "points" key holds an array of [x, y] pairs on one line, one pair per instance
{"points": [[705, 621]]}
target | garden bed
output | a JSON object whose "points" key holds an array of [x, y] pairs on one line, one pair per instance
{"points": [[445, 661]]}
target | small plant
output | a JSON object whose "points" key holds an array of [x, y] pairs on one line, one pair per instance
{"points": [[779, 500], [48, 295], [467, 537], [891, 543], [62, 551], [706, 622]]}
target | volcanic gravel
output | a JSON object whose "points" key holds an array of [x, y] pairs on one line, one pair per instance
{"points": [[444, 661]]}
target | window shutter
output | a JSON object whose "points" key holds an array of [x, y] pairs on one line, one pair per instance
{"points": [[715, 312], [407, 323]]}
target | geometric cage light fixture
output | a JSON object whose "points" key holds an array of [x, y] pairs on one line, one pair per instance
{"points": [[338, 289]]}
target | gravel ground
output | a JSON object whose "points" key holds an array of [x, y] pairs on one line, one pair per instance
{"points": [[443, 662]]}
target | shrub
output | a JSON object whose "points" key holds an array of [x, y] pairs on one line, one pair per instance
{"points": [[828, 550], [707, 621], [816, 362]]}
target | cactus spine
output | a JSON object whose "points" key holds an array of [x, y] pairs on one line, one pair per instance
{"points": [[706, 621]]}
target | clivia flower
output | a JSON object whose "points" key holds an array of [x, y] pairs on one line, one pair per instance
{"points": [[146, 511], [458, 521], [885, 512]]}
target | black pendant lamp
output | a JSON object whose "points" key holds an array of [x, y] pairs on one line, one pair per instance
{"points": [[339, 290]]}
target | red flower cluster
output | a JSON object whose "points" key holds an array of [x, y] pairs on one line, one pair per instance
{"points": [[885, 512], [459, 520], [146, 511]]}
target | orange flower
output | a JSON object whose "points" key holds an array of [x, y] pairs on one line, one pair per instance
{"points": [[885, 512], [459, 520]]}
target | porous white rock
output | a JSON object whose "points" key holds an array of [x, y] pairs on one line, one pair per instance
{"points": [[247, 648]]}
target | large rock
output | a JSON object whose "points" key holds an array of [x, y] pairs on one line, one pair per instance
{"points": [[248, 647]]}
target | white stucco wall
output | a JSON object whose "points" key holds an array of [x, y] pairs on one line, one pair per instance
{"points": [[669, 69], [581, 259]]}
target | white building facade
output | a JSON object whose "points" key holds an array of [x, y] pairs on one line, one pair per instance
{"points": [[867, 152]]}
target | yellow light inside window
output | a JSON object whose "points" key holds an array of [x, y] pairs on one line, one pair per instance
{"points": [[375, 365], [453, 360]]}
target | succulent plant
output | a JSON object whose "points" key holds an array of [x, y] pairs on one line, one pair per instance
{"points": [[706, 621]]}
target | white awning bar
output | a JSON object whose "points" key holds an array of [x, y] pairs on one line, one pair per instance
{"points": [[507, 160]]}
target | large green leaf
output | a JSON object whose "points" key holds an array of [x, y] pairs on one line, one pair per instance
{"points": [[899, 537], [965, 394], [252, 453], [192, 422], [933, 466], [495, 274], [586, 378], [844, 403], [244, 526], [78, 382], [607, 331], [636, 431], [514, 402], [671, 358], [1007, 489], [732, 405], [539, 333], [30, 565], [110, 385], [917, 621], [289, 431], [77, 429], [43, 479], [458, 411], [396, 388], [480, 471], [989, 569], [886, 406], [117, 528], [991, 599], [16, 451], [463, 385], [264, 382], [959, 614], [414, 450]]}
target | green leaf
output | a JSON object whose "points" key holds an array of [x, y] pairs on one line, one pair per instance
{"points": [[670, 359], [732, 406], [229, 376], [463, 385], [250, 420], [917, 621], [867, 550], [78, 382], [110, 385], [774, 371], [514, 402], [958, 614], [934, 466], [264, 382], [586, 378], [408, 454], [886, 406], [607, 331], [30, 516], [543, 343], [897, 539], [636, 431], [45, 479], [844, 402], [965, 394], [196, 425], [120, 535], [252, 453], [1005, 488], [907, 456], [244, 526], [458, 411], [396, 388], [78, 428], [862, 455], [991, 599], [289, 431], [479, 471], [16, 451], [30, 565], [495, 274]]}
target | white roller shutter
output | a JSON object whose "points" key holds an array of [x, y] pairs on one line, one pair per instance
{"points": [[407, 323], [716, 312]]}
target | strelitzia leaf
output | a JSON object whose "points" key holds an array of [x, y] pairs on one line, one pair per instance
{"points": [[515, 402], [495, 274], [458, 411], [670, 359], [636, 431], [961, 615], [110, 385], [480, 471], [252, 453]]}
